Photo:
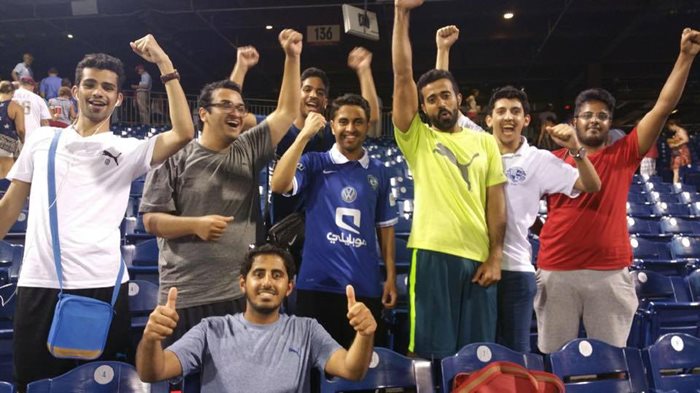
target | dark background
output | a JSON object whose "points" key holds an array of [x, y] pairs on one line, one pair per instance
{"points": [[552, 48]]}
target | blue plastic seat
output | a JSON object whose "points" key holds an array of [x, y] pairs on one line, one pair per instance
{"points": [[403, 255], [7, 311], [679, 226], [670, 362], [6, 387], [641, 210], [644, 227], [387, 369], [647, 249], [4, 184], [588, 365], [693, 280], [473, 357], [146, 253], [672, 209], [143, 299], [98, 377], [684, 247]]}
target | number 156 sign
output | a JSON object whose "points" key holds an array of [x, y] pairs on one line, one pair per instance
{"points": [[323, 34]]}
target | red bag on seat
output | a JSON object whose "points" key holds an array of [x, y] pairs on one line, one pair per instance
{"points": [[504, 377]]}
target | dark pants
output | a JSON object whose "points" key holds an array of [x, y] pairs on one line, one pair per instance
{"points": [[330, 310], [516, 295], [33, 316], [191, 316]]}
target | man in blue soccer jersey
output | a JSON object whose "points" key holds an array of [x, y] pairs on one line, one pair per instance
{"points": [[348, 204], [314, 93]]}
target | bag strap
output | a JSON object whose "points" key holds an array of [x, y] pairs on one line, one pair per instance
{"points": [[53, 220]]}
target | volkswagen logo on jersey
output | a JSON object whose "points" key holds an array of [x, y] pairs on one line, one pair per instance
{"points": [[348, 194], [516, 175], [373, 182]]}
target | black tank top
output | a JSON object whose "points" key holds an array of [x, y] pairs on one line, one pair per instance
{"points": [[7, 125]]}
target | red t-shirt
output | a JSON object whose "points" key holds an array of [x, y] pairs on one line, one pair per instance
{"points": [[590, 232]]}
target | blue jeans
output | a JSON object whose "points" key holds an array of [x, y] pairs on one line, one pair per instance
{"points": [[516, 295]]}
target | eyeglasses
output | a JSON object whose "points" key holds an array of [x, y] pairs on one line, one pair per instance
{"points": [[229, 106], [602, 116]]}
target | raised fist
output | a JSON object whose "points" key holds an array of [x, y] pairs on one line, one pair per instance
{"points": [[359, 58], [247, 56], [291, 41], [446, 36]]}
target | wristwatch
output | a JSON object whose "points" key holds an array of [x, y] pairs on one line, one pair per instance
{"points": [[579, 155]]}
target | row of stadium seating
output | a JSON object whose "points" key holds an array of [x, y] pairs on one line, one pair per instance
{"points": [[670, 364]]}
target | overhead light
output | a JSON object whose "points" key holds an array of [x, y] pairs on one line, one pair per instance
{"points": [[69, 35], [508, 15], [674, 111], [268, 27]]}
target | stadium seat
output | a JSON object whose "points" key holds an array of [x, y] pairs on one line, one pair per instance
{"points": [[135, 231], [588, 365], [143, 299], [679, 226], [637, 189], [403, 255], [98, 377], [146, 253], [7, 311], [664, 307], [661, 188], [18, 229], [683, 247], [4, 184], [473, 357], [644, 227], [688, 197], [387, 370], [672, 209], [672, 363], [639, 198], [641, 210], [646, 249], [693, 280], [136, 188], [6, 387]]}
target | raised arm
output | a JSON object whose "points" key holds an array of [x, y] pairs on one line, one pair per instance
{"points": [[11, 205], [360, 60], [288, 101], [283, 175], [565, 136], [152, 362], [405, 103], [353, 363], [651, 124], [445, 37], [489, 272], [246, 58], [183, 130]]}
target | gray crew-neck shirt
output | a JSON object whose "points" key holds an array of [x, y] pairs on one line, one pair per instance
{"points": [[197, 181], [234, 355]]}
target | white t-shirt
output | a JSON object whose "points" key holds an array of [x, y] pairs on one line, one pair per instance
{"points": [[466, 122], [93, 178], [531, 173], [35, 110], [22, 70]]}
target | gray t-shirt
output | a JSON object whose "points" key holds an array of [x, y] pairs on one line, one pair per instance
{"points": [[197, 182], [234, 355]]}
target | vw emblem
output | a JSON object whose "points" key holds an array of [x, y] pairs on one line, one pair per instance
{"points": [[348, 194]]}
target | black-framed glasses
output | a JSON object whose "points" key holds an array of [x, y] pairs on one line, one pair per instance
{"points": [[229, 106], [602, 116]]}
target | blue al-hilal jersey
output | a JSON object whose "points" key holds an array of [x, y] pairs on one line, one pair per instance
{"points": [[345, 203]]}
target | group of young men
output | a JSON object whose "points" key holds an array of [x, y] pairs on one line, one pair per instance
{"points": [[476, 195]]}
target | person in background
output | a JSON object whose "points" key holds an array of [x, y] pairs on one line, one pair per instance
{"points": [[11, 127], [680, 153]]}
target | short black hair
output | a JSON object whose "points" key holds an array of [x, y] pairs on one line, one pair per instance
{"points": [[595, 94], [432, 76], [269, 249], [101, 61], [509, 92], [350, 99], [205, 96], [318, 73]]}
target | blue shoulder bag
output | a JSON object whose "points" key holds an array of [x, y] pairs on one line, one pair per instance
{"points": [[80, 324]]}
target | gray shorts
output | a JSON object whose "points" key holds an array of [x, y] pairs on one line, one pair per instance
{"points": [[604, 299]]}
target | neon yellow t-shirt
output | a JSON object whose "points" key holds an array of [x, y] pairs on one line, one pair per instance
{"points": [[451, 172]]}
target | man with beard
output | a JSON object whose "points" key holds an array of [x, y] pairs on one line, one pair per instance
{"points": [[260, 350], [203, 203], [532, 173], [350, 203], [315, 88], [94, 170], [584, 245], [460, 212]]}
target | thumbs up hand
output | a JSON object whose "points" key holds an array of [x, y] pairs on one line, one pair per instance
{"points": [[360, 317], [163, 320]]}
